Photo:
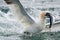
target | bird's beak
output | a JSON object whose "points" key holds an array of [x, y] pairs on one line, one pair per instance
{"points": [[51, 19]]}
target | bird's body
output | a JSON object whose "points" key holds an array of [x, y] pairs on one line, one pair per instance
{"points": [[37, 27]]}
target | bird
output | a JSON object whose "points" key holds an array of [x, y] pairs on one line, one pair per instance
{"points": [[36, 27]]}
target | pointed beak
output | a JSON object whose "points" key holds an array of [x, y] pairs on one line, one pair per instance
{"points": [[51, 19]]}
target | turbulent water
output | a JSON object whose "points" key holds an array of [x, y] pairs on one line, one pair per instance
{"points": [[11, 29]]}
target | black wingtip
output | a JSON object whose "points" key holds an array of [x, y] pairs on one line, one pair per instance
{"points": [[51, 19]]}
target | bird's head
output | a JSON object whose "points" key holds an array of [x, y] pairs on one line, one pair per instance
{"points": [[43, 15]]}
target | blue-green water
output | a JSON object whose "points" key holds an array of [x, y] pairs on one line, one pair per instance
{"points": [[41, 36]]}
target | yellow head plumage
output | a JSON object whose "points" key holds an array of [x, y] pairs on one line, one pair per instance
{"points": [[42, 15]]}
